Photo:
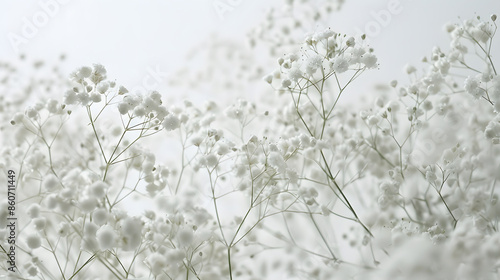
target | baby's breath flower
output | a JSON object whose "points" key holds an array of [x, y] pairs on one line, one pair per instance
{"points": [[40, 223], [171, 122], [98, 189], [31, 112], [268, 79], [122, 90], [409, 69], [369, 60], [98, 73], [295, 74], [313, 63], [34, 210], [106, 237], [286, 83], [87, 204], [131, 233], [339, 64], [185, 237], [33, 241], [100, 216], [472, 87], [70, 97], [157, 262]]}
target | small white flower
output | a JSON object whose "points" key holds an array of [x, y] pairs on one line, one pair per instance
{"points": [[95, 97], [350, 42], [276, 161], [70, 97], [211, 160], [123, 108], [286, 83], [31, 269], [88, 204], [131, 232], [98, 189], [369, 60], [53, 106], [40, 223], [185, 237], [64, 229], [84, 72], [18, 118], [102, 87], [472, 86], [106, 237], [31, 112], [295, 74], [51, 183], [340, 64], [410, 69], [33, 241], [157, 263], [34, 210], [268, 79], [100, 216]]}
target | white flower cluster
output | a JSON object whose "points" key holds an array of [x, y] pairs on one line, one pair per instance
{"points": [[282, 25], [326, 52], [492, 131], [336, 191], [90, 86]]}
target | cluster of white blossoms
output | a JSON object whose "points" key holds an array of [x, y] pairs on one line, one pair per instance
{"points": [[90, 85], [230, 66], [324, 54], [492, 130]]}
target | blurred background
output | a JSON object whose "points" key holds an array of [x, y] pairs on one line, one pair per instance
{"points": [[201, 49]]}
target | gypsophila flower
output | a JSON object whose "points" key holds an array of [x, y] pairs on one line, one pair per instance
{"points": [[277, 162], [157, 263], [81, 73], [51, 183], [34, 210], [31, 269], [185, 236], [106, 237], [295, 74], [268, 79], [472, 86], [409, 168], [131, 234], [98, 189], [369, 60], [64, 229], [340, 64], [492, 131], [98, 73], [171, 122], [40, 223], [100, 216], [313, 63], [102, 87], [33, 241], [31, 112], [18, 118], [410, 69], [87, 204]]}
